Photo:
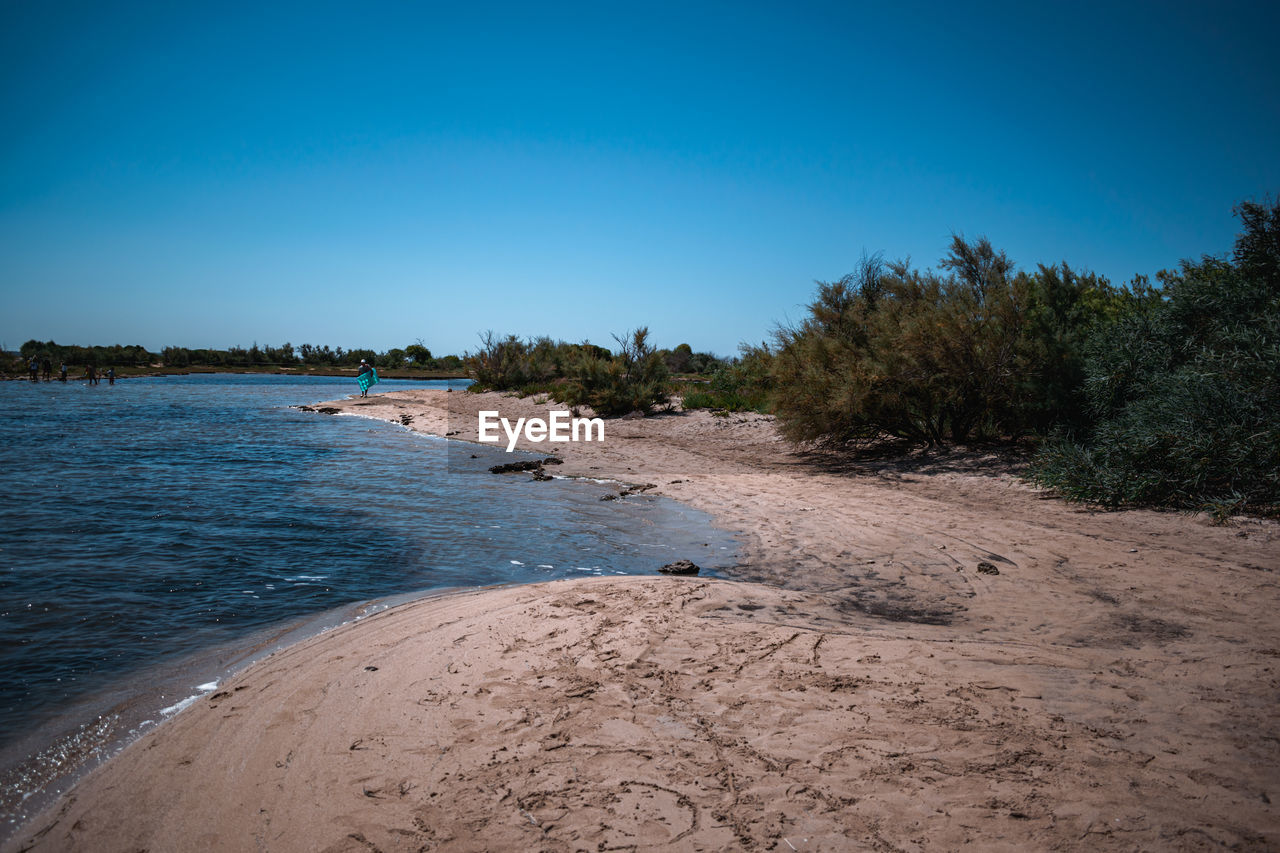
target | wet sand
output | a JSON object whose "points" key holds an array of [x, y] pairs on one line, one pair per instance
{"points": [[869, 684]]}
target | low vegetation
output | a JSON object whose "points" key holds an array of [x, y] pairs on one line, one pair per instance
{"points": [[636, 378], [744, 384]]}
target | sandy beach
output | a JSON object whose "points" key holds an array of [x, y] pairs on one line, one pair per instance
{"points": [[916, 654]]}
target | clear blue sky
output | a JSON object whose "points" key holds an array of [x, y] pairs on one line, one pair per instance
{"points": [[368, 174]]}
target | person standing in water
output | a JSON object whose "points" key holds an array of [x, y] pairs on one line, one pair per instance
{"points": [[63, 372]]}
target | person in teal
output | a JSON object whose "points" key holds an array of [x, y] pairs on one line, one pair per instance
{"points": [[364, 386]]}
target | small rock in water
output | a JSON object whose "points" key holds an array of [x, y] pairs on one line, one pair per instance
{"points": [[680, 567], [985, 568]]}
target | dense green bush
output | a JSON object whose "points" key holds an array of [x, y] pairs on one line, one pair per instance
{"points": [[500, 364], [1185, 389], [635, 380], [1065, 309], [979, 351], [527, 366]]}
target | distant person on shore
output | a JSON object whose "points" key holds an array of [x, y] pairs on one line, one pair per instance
{"points": [[46, 369], [34, 366], [62, 371], [364, 368], [111, 376], [91, 373]]}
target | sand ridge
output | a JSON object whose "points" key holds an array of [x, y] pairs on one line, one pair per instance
{"points": [[1113, 687]]}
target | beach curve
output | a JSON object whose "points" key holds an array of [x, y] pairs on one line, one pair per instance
{"points": [[1112, 685]]}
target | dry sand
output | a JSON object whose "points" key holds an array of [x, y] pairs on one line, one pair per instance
{"points": [[863, 687]]}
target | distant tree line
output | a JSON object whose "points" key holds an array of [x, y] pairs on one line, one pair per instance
{"points": [[309, 355], [95, 356], [415, 355]]}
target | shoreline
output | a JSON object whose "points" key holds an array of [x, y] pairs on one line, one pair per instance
{"points": [[79, 739], [70, 741], [1112, 686]]}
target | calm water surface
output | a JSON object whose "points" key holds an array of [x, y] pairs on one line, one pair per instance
{"points": [[156, 529]]}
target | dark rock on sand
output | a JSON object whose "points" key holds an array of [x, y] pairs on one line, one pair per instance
{"points": [[985, 568], [534, 465], [680, 567], [628, 492], [516, 467]]}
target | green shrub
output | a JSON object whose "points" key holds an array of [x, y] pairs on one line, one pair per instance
{"points": [[636, 379], [530, 366], [1185, 390], [980, 352], [699, 399], [743, 385]]}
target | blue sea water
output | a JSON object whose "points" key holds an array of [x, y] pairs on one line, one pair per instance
{"points": [[154, 531]]}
